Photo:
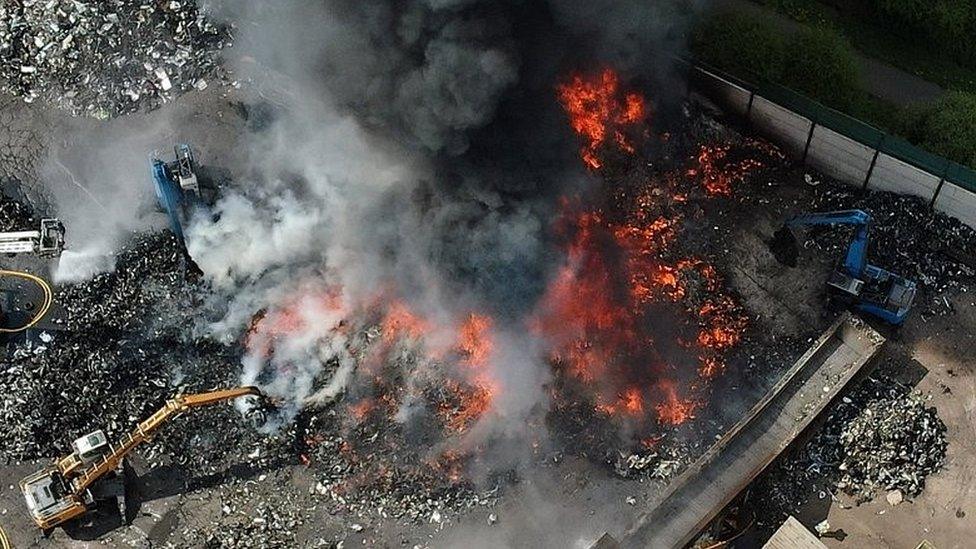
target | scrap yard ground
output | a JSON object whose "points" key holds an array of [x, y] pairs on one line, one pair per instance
{"points": [[568, 500]]}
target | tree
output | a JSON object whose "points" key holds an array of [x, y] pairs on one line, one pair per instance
{"points": [[822, 65], [749, 46]]}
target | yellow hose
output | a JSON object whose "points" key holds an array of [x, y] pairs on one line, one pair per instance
{"points": [[4, 544], [48, 299]]}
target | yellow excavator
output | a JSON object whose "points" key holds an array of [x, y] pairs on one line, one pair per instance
{"points": [[62, 491]]}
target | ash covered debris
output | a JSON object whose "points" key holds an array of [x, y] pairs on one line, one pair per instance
{"points": [[109, 57], [147, 290], [14, 215]]}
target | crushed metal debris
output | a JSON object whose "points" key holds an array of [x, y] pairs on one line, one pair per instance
{"points": [[107, 58], [880, 438]]}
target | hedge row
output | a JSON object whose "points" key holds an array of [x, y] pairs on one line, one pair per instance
{"points": [[948, 24], [815, 61]]}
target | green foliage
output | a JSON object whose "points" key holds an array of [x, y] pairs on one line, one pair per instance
{"points": [[947, 24], [947, 128], [804, 11], [817, 62], [751, 46], [823, 66]]}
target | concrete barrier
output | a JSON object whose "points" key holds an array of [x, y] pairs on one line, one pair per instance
{"points": [[839, 157], [893, 175], [735, 97], [790, 127], [958, 203]]}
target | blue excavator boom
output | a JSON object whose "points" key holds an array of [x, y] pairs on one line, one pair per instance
{"points": [[177, 188]]}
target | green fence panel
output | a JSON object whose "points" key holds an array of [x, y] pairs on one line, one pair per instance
{"points": [[962, 176]]}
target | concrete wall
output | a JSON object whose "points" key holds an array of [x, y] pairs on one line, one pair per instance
{"points": [[843, 158], [957, 202], [788, 126], [736, 98], [891, 174], [840, 157]]}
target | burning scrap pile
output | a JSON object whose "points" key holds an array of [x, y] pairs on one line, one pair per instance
{"points": [[639, 321], [881, 437], [106, 58], [907, 237]]}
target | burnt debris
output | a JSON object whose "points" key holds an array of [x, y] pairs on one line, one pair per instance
{"points": [[107, 58]]}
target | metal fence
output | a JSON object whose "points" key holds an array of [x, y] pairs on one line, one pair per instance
{"points": [[841, 146]]}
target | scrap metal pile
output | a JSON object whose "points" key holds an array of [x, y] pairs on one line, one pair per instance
{"points": [[892, 444], [908, 238], [881, 437], [14, 216], [122, 351], [108, 57]]}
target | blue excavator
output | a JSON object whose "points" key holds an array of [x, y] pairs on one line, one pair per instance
{"points": [[180, 195], [867, 288], [177, 188]]}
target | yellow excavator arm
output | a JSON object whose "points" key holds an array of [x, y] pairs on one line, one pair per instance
{"points": [[145, 430]]}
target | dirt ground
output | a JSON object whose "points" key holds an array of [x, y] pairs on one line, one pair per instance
{"points": [[572, 501]]}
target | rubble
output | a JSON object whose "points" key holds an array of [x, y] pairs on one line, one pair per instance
{"points": [[107, 58], [892, 444], [880, 438], [14, 215], [115, 363]]}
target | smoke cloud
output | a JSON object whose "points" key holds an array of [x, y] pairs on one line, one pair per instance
{"points": [[411, 149], [416, 147]]}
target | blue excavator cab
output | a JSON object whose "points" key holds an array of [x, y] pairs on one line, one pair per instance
{"points": [[867, 287], [177, 188]]}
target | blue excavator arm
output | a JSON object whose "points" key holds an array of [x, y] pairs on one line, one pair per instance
{"points": [[857, 254]]}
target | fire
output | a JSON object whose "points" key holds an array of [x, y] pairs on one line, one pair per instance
{"points": [[400, 321], [465, 406], [300, 313], [629, 402], [474, 340], [362, 409], [622, 272], [598, 110], [633, 324], [674, 410], [718, 173]]}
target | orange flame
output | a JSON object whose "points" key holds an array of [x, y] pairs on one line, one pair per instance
{"points": [[674, 410], [718, 174], [596, 111], [400, 321]]}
